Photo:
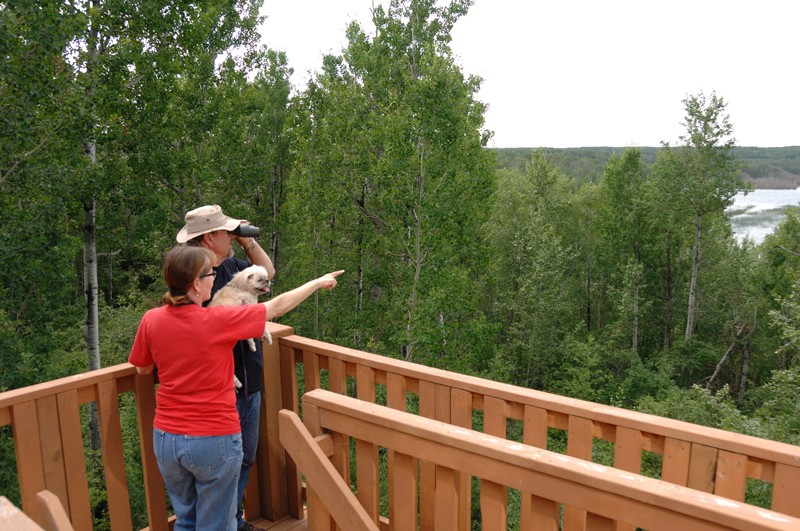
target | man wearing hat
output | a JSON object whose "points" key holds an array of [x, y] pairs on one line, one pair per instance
{"points": [[207, 226]]}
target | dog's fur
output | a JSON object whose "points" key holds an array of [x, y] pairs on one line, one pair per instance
{"points": [[244, 288]]}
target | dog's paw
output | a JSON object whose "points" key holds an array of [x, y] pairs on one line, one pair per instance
{"points": [[252, 345], [267, 336]]}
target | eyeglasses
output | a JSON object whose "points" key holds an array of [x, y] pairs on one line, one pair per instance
{"points": [[212, 274]]}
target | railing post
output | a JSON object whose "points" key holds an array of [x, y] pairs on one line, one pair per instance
{"points": [[271, 489], [144, 385]]}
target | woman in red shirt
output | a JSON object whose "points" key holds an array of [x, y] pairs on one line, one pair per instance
{"points": [[197, 436]]}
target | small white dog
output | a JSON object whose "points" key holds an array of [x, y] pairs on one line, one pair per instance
{"points": [[244, 288]]}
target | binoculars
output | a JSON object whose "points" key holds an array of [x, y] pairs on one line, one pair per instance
{"points": [[246, 231]]}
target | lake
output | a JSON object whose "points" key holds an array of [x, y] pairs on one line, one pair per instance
{"points": [[759, 212]]}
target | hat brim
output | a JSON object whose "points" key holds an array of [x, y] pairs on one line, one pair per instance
{"points": [[184, 235]]}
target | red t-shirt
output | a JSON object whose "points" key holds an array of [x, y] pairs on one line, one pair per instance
{"points": [[191, 346]]}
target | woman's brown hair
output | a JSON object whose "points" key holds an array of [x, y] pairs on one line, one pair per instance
{"points": [[183, 264]]}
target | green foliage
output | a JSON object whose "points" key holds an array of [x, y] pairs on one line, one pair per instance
{"points": [[780, 409], [700, 406], [562, 270]]}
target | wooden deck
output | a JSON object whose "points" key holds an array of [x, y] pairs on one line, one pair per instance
{"points": [[47, 430]]}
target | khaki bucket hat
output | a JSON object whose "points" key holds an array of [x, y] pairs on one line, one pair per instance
{"points": [[204, 219]]}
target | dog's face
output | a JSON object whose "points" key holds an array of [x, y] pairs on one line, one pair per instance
{"points": [[254, 279]]}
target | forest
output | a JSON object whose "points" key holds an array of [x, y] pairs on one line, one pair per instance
{"points": [[773, 168], [613, 278]]}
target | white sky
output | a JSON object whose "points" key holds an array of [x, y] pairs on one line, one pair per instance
{"points": [[574, 73]]}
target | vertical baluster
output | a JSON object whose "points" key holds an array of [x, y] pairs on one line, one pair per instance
{"points": [[119, 508], [446, 499], [396, 389], [494, 497], [579, 444], [537, 513], [675, 465], [731, 476], [702, 467], [367, 460], [461, 415], [290, 401], [153, 482], [627, 456], [30, 470], [52, 451], [786, 489], [427, 470]]}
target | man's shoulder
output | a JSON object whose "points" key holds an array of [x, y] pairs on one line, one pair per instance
{"points": [[232, 265]]}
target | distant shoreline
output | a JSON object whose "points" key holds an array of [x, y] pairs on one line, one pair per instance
{"points": [[763, 168], [774, 183]]}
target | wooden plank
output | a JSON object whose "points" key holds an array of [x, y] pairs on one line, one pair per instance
{"points": [[403, 500], [596, 522], [627, 456], [579, 444], [75, 460], [318, 516], [427, 470], [443, 403], [321, 474], [731, 476], [12, 519], [57, 518], [27, 446], [702, 468], [290, 401], [628, 450], [396, 399], [494, 497], [540, 514], [533, 509], [534, 427], [337, 376], [675, 465], [119, 509], [367, 459], [494, 503], [786, 489], [461, 415], [153, 482], [270, 464], [446, 499], [52, 451], [311, 376]]}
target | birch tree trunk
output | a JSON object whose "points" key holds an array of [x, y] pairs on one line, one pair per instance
{"points": [[692, 309], [92, 327], [668, 295], [90, 288], [417, 253]]}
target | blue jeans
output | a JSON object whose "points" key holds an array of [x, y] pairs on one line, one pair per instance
{"points": [[248, 419], [200, 474]]}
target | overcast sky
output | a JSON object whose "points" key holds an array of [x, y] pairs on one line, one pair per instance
{"points": [[574, 73]]}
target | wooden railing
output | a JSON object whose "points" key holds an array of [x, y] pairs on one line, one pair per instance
{"points": [[610, 498], [49, 446], [706, 459], [48, 440]]}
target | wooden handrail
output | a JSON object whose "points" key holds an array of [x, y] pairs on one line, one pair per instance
{"points": [[322, 476], [609, 496]]}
